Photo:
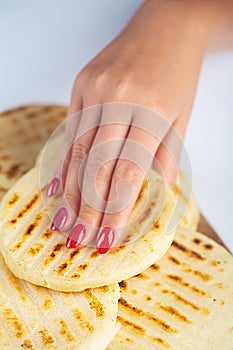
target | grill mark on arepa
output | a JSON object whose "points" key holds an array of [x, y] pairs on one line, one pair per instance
{"points": [[47, 234], [27, 206], [176, 189], [180, 281], [208, 246], [215, 263], [95, 304], [13, 199], [104, 289], [65, 331], [161, 342], [196, 240], [83, 267], [35, 249], [154, 267], [16, 324], [2, 189], [62, 268], [174, 312], [46, 109], [20, 132], [38, 112], [123, 340], [46, 338], [115, 250], [142, 275], [127, 238], [185, 301], [123, 285], [174, 260], [27, 344], [150, 317], [53, 253], [204, 276], [186, 250], [184, 221], [27, 233], [13, 170], [145, 215], [134, 327], [178, 192], [157, 284], [156, 225], [47, 304], [141, 194], [94, 254], [84, 324]]}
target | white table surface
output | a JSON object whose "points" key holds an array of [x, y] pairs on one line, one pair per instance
{"points": [[45, 43]]}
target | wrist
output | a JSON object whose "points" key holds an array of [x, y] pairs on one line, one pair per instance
{"points": [[197, 18]]}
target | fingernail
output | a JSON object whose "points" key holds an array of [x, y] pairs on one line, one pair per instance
{"points": [[53, 187], [59, 219], [76, 236], [105, 240]]}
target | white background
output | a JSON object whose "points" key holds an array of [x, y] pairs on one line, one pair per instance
{"points": [[43, 45]]}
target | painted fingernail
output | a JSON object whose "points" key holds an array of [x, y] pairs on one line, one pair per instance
{"points": [[105, 240], [59, 219], [53, 187], [76, 236]]}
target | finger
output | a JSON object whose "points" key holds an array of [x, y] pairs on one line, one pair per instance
{"points": [[167, 157], [56, 185], [100, 164], [88, 126], [131, 168]]}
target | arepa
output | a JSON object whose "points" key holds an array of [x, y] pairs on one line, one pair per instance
{"points": [[23, 131], [35, 318], [36, 254], [185, 301]]}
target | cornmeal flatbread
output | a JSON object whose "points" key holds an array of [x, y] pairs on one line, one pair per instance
{"points": [[23, 131], [184, 301], [38, 255], [34, 318]]}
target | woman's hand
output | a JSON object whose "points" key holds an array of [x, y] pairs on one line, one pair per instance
{"points": [[155, 63]]}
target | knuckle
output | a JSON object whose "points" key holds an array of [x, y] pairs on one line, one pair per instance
{"points": [[116, 92], [96, 161], [79, 152], [86, 211], [73, 201], [82, 76], [129, 172], [71, 196], [105, 171]]}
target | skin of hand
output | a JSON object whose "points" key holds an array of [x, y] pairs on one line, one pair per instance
{"points": [[154, 62]]}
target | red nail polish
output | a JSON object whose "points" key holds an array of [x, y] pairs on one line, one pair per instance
{"points": [[53, 187], [76, 236], [59, 219], [105, 240]]}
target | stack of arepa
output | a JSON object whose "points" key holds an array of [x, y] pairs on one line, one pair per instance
{"points": [[159, 289]]}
